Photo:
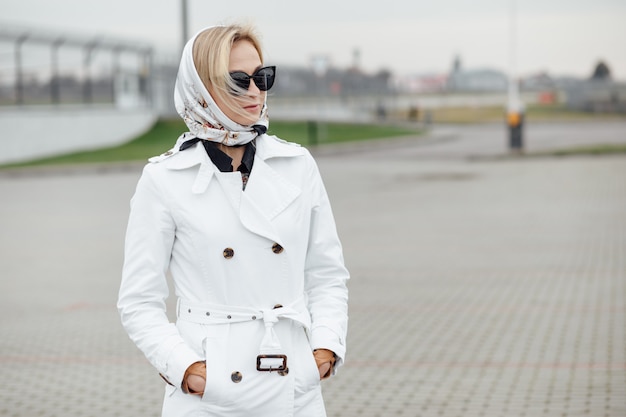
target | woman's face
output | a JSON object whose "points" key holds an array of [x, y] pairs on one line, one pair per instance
{"points": [[244, 57]]}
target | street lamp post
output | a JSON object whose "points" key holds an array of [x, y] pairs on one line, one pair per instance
{"points": [[515, 107], [184, 23]]}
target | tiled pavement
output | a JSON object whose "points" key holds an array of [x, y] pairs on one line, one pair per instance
{"points": [[491, 287]]}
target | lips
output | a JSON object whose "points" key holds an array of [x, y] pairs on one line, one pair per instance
{"points": [[252, 108]]}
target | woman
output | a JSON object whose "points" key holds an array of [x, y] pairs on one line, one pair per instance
{"points": [[242, 222]]}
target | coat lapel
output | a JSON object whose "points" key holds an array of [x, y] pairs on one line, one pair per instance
{"points": [[267, 195], [268, 192]]}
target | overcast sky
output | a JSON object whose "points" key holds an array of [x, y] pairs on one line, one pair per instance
{"points": [[562, 37]]}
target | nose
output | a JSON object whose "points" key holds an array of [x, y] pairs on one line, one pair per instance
{"points": [[252, 88]]}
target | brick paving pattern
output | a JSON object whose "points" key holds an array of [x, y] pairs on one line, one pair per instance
{"points": [[487, 290], [479, 288]]}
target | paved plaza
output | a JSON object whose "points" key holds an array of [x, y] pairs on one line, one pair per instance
{"points": [[483, 284]]}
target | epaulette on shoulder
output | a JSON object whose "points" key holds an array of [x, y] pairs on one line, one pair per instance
{"points": [[164, 155], [284, 141]]}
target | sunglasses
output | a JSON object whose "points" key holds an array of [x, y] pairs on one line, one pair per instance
{"points": [[263, 78]]}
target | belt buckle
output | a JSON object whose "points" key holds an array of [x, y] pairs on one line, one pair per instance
{"points": [[264, 368]]}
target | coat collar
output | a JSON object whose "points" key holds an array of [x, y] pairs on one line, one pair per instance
{"points": [[190, 158], [272, 147], [267, 193], [267, 147]]}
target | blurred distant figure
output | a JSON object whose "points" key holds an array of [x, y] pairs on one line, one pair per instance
{"points": [[243, 223], [601, 72], [414, 113], [428, 117], [381, 111]]}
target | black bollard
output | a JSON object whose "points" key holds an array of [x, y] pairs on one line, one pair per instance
{"points": [[414, 114], [312, 131], [515, 122]]}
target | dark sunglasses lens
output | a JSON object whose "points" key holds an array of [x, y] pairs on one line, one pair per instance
{"points": [[264, 78], [241, 79]]}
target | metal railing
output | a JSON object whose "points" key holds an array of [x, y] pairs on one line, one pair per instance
{"points": [[88, 47]]}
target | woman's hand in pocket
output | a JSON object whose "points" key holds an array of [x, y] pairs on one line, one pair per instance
{"points": [[194, 380], [325, 360]]}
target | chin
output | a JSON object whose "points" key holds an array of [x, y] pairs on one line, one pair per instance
{"points": [[248, 121]]}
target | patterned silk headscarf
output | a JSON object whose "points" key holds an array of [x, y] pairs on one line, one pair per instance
{"points": [[202, 116]]}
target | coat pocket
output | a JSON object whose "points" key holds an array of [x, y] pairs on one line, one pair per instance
{"points": [[307, 376], [215, 349]]}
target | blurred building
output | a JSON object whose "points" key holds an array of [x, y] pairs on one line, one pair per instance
{"points": [[597, 96], [421, 83], [599, 93], [129, 76], [475, 80]]}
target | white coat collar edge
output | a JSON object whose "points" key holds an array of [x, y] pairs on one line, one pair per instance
{"points": [[188, 158], [273, 147], [194, 156], [266, 147]]}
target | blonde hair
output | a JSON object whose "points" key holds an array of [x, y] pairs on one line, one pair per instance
{"points": [[211, 55]]}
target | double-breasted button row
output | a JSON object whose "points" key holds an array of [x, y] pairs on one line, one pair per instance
{"points": [[228, 253], [276, 248], [236, 377]]}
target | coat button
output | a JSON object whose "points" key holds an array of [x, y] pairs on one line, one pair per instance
{"points": [[229, 253], [236, 377], [276, 248]]}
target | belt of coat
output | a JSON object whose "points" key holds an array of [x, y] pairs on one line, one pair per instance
{"points": [[224, 314]]}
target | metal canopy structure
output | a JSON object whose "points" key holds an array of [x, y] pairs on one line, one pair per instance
{"points": [[88, 45]]}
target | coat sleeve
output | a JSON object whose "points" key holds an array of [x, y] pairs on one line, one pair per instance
{"points": [[326, 276], [141, 303]]}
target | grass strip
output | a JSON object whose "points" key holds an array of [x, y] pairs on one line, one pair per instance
{"points": [[600, 149], [164, 133]]}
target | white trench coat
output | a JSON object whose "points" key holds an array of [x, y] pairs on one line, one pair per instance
{"points": [[234, 256]]}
